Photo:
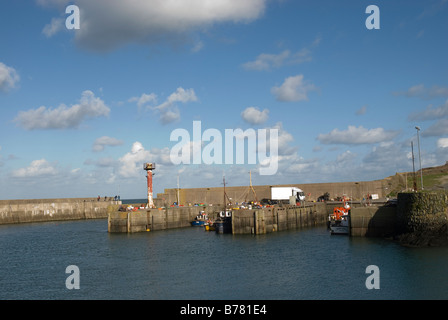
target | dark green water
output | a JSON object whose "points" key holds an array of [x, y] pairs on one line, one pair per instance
{"points": [[190, 263]]}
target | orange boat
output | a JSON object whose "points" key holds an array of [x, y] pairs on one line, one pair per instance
{"points": [[339, 219]]}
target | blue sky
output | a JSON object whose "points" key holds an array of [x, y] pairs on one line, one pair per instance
{"points": [[82, 109]]}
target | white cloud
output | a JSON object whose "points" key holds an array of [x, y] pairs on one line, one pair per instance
{"points": [[439, 128], [8, 78], [293, 89], [108, 24], [357, 135], [37, 168], [63, 117], [267, 61], [254, 116], [431, 113], [101, 142], [144, 99], [421, 91], [284, 140], [56, 25], [181, 95], [346, 156], [394, 156], [387, 156], [131, 164], [168, 110], [442, 143], [168, 116]]}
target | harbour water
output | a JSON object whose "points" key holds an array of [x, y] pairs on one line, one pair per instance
{"points": [[192, 264]]}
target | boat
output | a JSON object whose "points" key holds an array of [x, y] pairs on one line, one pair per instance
{"points": [[339, 219], [340, 226], [200, 220], [209, 225], [197, 223], [223, 224]]}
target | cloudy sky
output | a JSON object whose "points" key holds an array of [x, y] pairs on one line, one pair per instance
{"points": [[83, 109]]}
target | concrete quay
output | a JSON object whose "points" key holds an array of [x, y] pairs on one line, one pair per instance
{"points": [[373, 221], [425, 213], [244, 221], [42, 210]]}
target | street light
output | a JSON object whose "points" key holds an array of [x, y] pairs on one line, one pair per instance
{"points": [[419, 156]]}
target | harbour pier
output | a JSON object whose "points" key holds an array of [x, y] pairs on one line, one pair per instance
{"points": [[44, 210], [243, 221], [417, 219]]}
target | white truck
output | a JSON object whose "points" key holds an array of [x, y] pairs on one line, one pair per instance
{"points": [[283, 194]]}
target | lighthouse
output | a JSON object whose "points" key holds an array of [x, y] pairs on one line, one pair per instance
{"points": [[149, 167]]}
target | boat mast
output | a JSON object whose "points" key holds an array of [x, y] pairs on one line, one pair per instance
{"points": [[251, 187], [225, 204], [178, 196]]}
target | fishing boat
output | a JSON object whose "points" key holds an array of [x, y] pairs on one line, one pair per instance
{"points": [[339, 220], [200, 220], [223, 224], [340, 226]]}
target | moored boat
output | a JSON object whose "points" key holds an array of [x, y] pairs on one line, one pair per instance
{"points": [[340, 226], [224, 222], [200, 220], [339, 220], [197, 223]]}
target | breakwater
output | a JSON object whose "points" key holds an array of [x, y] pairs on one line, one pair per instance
{"points": [[243, 221], [422, 218], [418, 219], [274, 219], [155, 219], [42, 210]]}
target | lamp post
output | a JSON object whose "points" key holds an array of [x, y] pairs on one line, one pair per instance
{"points": [[419, 156]]}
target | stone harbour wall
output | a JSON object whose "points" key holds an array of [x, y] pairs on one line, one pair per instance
{"points": [[422, 218], [421, 211], [261, 221], [155, 219], [42, 210], [244, 221]]}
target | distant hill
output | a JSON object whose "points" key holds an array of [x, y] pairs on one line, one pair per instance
{"points": [[434, 178]]}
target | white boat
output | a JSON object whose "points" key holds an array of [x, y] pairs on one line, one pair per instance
{"points": [[339, 220], [340, 226]]}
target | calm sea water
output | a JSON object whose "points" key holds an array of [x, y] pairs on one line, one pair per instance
{"points": [[190, 263]]}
